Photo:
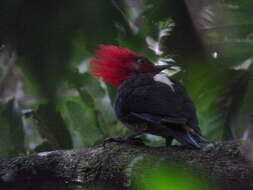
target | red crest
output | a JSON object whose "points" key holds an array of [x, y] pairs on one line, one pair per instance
{"points": [[113, 64]]}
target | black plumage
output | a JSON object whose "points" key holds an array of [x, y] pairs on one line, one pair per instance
{"points": [[151, 106]]}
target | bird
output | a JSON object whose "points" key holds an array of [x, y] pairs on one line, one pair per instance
{"points": [[147, 101]]}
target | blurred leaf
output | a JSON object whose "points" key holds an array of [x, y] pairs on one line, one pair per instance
{"points": [[184, 41], [80, 51], [76, 79], [169, 178], [96, 96], [96, 102], [52, 128], [44, 146], [234, 28], [11, 130], [240, 122], [234, 53], [107, 17], [234, 47], [32, 136], [81, 122], [222, 94], [111, 92], [85, 85], [205, 85], [48, 35]]}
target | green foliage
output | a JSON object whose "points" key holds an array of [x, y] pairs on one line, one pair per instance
{"points": [[169, 178], [81, 122], [11, 130], [51, 128], [206, 85], [56, 39]]}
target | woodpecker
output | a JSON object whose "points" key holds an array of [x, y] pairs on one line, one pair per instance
{"points": [[147, 100]]}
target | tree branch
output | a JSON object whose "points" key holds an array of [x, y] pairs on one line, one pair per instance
{"points": [[113, 166]]}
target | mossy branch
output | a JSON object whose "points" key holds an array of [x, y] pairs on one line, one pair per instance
{"points": [[112, 166]]}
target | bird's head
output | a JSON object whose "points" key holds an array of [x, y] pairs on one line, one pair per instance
{"points": [[115, 64]]}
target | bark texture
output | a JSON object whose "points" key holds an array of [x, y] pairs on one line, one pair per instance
{"points": [[115, 166]]}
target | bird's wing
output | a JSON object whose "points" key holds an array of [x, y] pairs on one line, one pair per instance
{"points": [[158, 120], [157, 99]]}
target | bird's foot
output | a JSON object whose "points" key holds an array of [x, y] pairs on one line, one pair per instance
{"points": [[127, 140], [168, 141]]}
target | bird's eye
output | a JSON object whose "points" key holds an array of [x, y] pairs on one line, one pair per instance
{"points": [[140, 61]]}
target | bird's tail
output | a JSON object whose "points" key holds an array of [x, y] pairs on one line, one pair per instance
{"points": [[187, 138]]}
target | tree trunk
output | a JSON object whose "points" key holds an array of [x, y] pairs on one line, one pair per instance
{"points": [[115, 166]]}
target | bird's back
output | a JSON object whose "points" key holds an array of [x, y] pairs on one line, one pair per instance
{"points": [[145, 94]]}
